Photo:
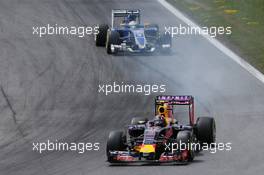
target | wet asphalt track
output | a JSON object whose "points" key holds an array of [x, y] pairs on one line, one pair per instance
{"points": [[51, 84]]}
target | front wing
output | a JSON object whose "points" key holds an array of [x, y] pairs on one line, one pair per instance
{"points": [[134, 157]]}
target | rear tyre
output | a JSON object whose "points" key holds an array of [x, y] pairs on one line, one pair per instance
{"points": [[186, 138], [152, 30], [165, 39], [113, 38], [115, 142], [100, 38], [152, 26], [138, 120], [206, 130]]}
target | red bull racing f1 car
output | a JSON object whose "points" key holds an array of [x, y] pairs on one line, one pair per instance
{"points": [[162, 139]]}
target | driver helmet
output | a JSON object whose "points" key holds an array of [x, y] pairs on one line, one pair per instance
{"points": [[131, 19], [162, 112], [165, 111]]}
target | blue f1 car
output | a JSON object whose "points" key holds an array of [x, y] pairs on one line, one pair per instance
{"points": [[127, 34]]}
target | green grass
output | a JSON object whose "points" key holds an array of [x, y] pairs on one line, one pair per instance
{"points": [[246, 17]]}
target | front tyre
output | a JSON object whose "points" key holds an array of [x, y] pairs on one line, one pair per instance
{"points": [[138, 120], [115, 142], [186, 139], [113, 38]]}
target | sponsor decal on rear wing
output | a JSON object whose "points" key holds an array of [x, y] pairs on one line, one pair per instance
{"points": [[125, 12], [175, 99]]}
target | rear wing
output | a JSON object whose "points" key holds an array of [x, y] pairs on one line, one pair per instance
{"points": [[124, 13], [175, 100]]}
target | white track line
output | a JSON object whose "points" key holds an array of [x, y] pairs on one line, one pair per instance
{"points": [[215, 42]]}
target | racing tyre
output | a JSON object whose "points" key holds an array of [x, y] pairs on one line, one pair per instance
{"points": [[113, 38], [100, 38], [115, 142], [153, 26], [205, 129], [152, 33], [165, 39], [138, 120], [186, 138]]}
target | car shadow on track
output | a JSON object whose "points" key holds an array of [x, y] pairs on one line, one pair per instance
{"points": [[154, 164], [120, 54]]}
